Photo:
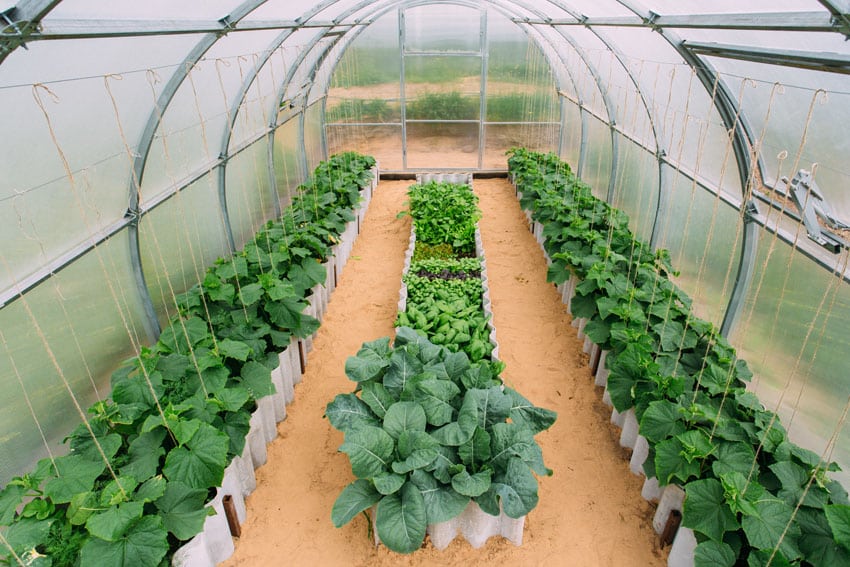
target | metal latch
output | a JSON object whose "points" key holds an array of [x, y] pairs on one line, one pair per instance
{"points": [[807, 196]]}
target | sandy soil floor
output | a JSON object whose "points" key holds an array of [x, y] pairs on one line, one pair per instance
{"points": [[590, 511]]}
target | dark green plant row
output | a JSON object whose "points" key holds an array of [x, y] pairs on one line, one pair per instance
{"points": [[446, 308], [752, 497], [135, 482]]}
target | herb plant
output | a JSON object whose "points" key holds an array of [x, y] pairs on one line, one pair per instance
{"points": [[429, 432], [445, 213]]}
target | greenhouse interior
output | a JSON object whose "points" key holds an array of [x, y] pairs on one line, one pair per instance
{"points": [[425, 282]]}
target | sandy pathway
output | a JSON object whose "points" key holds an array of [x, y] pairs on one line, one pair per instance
{"points": [[590, 511]]}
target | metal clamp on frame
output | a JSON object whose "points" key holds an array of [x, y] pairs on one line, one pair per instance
{"points": [[809, 200]]}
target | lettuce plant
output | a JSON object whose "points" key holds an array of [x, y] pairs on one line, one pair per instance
{"points": [[426, 432]]}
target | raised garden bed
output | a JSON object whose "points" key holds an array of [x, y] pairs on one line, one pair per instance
{"points": [[156, 468], [709, 449], [429, 437]]}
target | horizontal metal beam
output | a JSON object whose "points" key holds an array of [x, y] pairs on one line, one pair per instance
{"points": [[769, 21], [814, 60], [77, 29]]}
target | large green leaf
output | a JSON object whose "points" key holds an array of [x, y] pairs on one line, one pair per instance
{"points": [[403, 367], [113, 523], [714, 554], [767, 528], [475, 452], [347, 411], [144, 543], [404, 416], [376, 396], [460, 431], [435, 396], [182, 334], [472, 485], [526, 414], [388, 483], [10, 499], [442, 466], [25, 534], [517, 489], [416, 449], [838, 517], [733, 457], [456, 364], [234, 349], [258, 379], [401, 520], [367, 365], [369, 449], [358, 496], [75, 474], [200, 462], [144, 455], [818, 542], [442, 502], [182, 510], [706, 511], [494, 406], [662, 419], [670, 462]]}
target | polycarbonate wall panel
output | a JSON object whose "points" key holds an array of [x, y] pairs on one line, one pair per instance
{"points": [[703, 235], [636, 188], [190, 135], [259, 106], [381, 142], [793, 333], [249, 198], [801, 119], [90, 317], [301, 81], [287, 161], [571, 134], [442, 27], [443, 88], [598, 8], [597, 167], [179, 240], [584, 83]]}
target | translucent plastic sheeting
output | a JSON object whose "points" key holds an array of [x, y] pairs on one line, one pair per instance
{"points": [[192, 128], [586, 87], [301, 81], [364, 84], [593, 7], [287, 165], [282, 10], [730, 6], [313, 132], [442, 27], [793, 333], [636, 188], [90, 317], [179, 240], [443, 88], [442, 145], [259, 108], [288, 55], [806, 41], [596, 170], [686, 119], [562, 81], [147, 10], [800, 119], [571, 134], [250, 202], [382, 142], [499, 138], [87, 117], [703, 235]]}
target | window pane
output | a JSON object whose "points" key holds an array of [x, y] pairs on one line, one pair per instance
{"points": [[636, 189], [502, 137], [381, 142], [443, 27], [249, 199], [441, 145], [287, 161]]}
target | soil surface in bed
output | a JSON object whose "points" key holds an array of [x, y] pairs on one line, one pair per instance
{"points": [[590, 511]]}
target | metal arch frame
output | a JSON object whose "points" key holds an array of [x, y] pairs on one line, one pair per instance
{"points": [[278, 99], [541, 39], [26, 16]]}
